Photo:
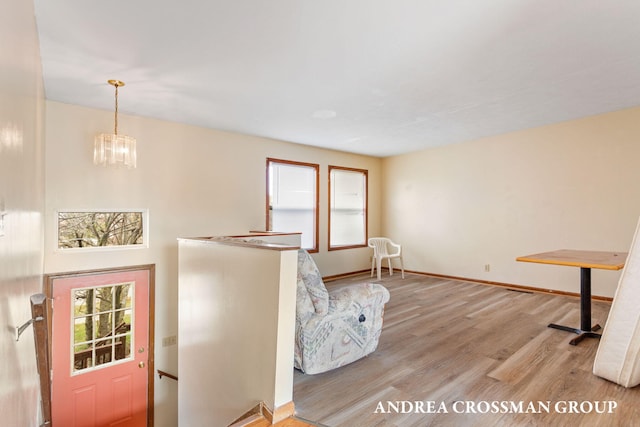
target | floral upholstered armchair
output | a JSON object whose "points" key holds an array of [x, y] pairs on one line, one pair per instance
{"points": [[334, 328]]}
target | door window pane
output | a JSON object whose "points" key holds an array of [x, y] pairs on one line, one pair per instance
{"points": [[101, 325]]}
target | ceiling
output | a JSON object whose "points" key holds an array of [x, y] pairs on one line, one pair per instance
{"points": [[366, 76]]}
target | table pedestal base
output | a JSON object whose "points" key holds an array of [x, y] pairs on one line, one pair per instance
{"points": [[582, 334]]}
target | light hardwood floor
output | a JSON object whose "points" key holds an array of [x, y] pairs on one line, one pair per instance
{"points": [[462, 346], [289, 422]]}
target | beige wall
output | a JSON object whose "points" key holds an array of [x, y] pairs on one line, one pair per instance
{"points": [[570, 185], [22, 199], [194, 182], [454, 208], [237, 323]]}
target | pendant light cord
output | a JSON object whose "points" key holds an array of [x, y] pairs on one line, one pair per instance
{"points": [[115, 129]]}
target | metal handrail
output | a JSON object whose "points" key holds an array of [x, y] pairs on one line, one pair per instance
{"points": [[166, 374]]}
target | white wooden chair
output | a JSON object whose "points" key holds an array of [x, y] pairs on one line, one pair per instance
{"points": [[383, 248]]}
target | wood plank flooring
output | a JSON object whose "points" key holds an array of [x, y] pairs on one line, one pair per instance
{"points": [[289, 422], [461, 346]]}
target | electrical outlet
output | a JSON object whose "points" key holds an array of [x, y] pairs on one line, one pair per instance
{"points": [[487, 267], [168, 341]]}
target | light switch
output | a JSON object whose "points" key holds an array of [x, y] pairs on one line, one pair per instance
{"points": [[3, 213]]}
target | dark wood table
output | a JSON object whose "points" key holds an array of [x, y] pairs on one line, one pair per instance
{"points": [[586, 260]]}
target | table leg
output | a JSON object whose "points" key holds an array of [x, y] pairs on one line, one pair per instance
{"points": [[586, 330], [585, 299]]}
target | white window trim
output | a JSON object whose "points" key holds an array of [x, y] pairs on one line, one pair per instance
{"points": [[145, 232]]}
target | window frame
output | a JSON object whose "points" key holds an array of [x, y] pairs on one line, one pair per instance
{"points": [[144, 213], [93, 342], [365, 174], [316, 216]]}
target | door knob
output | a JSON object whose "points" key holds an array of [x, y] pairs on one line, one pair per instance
{"points": [[141, 365]]}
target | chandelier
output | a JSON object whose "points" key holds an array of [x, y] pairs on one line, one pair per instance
{"points": [[113, 149]]}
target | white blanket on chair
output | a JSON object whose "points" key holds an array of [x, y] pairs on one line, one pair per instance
{"points": [[618, 356]]}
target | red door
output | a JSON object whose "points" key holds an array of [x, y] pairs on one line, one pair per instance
{"points": [[100, 349]]}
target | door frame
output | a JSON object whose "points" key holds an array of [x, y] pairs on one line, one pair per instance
{"points": [[49, 278]]}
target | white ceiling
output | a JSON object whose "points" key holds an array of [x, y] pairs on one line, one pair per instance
{"points": [[377, 77]]}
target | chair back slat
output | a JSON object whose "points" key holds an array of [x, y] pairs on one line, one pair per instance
{"points": [[379, 245]]}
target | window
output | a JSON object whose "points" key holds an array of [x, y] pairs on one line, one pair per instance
{"points": [[78, 229], [101, 328], [347, 207], [292, 199]]}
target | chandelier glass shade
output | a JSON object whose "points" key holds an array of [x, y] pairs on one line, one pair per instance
{"points": [[113, 149]]}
